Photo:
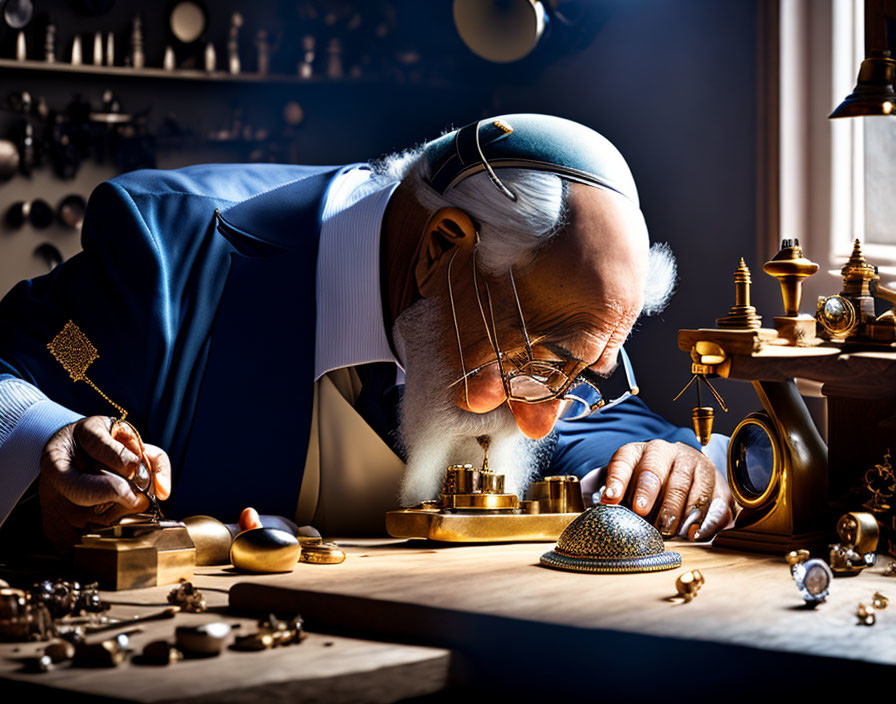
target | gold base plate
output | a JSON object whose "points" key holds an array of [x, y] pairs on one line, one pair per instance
{"points": [[477, 528]]}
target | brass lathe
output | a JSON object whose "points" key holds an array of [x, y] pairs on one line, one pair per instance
{"points": [[473, 508]]}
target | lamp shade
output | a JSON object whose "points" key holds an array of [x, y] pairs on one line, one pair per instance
{"points": [[874, 93]]}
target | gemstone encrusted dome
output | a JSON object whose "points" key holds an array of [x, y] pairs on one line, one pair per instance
{"points": [[610, 539]]}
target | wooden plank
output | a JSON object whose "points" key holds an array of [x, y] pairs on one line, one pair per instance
{"points": [[749, 603], [322, 668]]}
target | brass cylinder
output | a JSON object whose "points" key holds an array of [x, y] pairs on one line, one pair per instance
{"points": [[559, 494], [702, 418]]}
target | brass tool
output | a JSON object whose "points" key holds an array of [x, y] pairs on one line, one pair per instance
{"points": [[473, 507], [790, 268], [706, 358], [76, 353]]}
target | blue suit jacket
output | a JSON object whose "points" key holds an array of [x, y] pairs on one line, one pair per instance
{"points": [[197, 287]]}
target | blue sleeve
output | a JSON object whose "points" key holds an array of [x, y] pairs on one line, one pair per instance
{"points": [[27, 420], [583, 445]]}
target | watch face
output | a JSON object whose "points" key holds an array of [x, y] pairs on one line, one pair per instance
{"points": [[836, 314], [752, 459]]}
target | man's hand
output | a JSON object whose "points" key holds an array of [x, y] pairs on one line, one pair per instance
{"points": [[695, 501], [83, 472]]}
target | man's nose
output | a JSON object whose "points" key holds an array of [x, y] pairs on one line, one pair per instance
{"points": [[536, 420]]}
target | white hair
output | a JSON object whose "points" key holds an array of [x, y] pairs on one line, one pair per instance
{"points": [[512, 232]]}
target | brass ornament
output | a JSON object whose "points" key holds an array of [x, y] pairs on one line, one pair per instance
{"points": [[264, 550], [865, 614], [322, 554], [688, 584], [610, 539], [880, 601], [858, 533], [188, 598], [790, 267], [742, 314]]}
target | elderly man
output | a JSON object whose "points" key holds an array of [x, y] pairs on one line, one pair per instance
{"points": [[256, 323]]}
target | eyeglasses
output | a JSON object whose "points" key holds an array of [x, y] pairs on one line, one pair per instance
{"points": [[529, 380]]}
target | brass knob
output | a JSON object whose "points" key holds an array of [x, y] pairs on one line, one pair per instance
{"points": [[790, 267]]}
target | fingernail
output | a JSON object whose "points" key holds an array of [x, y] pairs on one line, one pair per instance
{"points": [[667, 521], [689, 522], [693, 532], [641, 501], [696, 535], [613, 490]]}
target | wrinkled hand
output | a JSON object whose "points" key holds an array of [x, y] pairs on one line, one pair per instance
{"points": [[74, 489], [693, 499]]}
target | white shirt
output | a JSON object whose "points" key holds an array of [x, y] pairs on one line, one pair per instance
{"points": [[350, 327]]}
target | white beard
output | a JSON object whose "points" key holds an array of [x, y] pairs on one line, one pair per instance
{"points": [[436, 433]]}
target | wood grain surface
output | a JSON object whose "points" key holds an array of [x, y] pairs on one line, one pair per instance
{"points": [[323, 668], [507, 614]]}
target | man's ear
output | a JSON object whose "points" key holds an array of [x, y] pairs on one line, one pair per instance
{"points": [[447, 231]]}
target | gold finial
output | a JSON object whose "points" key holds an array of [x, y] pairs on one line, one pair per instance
{"points": [[790, 267], [741, 314], [75, 352]]}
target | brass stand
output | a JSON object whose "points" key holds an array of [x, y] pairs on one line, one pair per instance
{"points": [[792, 512], [473, 508]]}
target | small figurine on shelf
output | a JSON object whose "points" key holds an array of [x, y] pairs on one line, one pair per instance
{"points": [[50, 43], [211, 59], [264, 52], [76, 51], [306, 65], [21, 48], [98, 49], [168, 61], [110, 49], [233, 44], [334, 59], [138, 59]]}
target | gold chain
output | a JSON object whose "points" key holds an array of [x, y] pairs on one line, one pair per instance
{"points": [[75, 352]]}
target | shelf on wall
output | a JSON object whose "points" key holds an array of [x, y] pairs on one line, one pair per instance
{"points": [[173, 75]]}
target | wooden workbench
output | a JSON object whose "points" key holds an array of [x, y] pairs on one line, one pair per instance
{"points": [[515, 628]]}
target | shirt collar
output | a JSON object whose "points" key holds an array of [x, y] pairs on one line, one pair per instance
{"points": [[350, 328]]}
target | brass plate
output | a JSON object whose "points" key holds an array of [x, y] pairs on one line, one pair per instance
{"points": [[478, 528]]}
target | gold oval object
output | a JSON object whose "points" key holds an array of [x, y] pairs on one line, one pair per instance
{"points": [[264, 550], [322, 554], [211, 538], [610, 539]]}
